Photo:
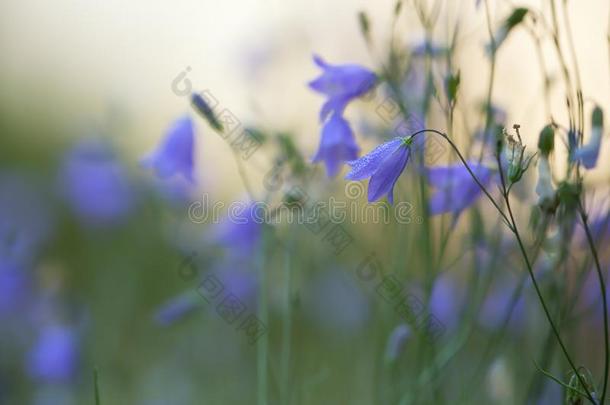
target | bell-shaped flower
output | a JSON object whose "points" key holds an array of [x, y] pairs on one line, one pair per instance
{"points": [[587, 154], [95, 184], [456, 190], [175, 154], [383, 165], [337, 145], [54, 356], [341, 84]]}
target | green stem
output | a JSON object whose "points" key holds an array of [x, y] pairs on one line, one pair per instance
{"points": [[512, 225], [602, 286], [287, 328], [541, 299], [461, 157], [263, 315]]}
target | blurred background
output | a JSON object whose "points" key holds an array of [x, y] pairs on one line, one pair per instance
{"points": [[95, 247]]}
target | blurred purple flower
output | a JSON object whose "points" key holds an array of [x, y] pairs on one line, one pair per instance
{"points": [[337, 145], [588, 153], [600, 229], [428, 48], [497, 304], [54, 356], [396, 342], [15, 289], [456, 190], [590, 298], [238, 281], [446, 300], [96, 185], [240, 233], [383, 165], [177, 308], [341, 84], [175, 155], [26, 221], [176, 192]]}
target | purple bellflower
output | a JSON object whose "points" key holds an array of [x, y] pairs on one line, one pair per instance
{"points": [[383, 165], [446, 300], [587, 154], [95, 185], [240, 232], [175, 155], [456, 190], [54, 356], [341, 84], [337, 145]]}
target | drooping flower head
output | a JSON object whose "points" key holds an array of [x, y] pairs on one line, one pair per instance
{"points": [[588, 153], [337, 145], [341, 84], [95, 185], [54, 356], [175, 154], [456, 190], [383, 165]]}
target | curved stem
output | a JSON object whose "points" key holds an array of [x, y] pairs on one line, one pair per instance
{"points": [[512, 225], [457, 151], [541, 299]]}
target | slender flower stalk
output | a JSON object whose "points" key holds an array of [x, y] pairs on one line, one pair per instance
{"points": [[512, 225], [262, 358]]}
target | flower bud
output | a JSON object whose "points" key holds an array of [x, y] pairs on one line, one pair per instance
{"points": [[515, 172], [546, 141], [597, 119]]}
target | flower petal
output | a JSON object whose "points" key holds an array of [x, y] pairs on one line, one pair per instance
{"points": [[337, 145], [456, 189], [367, 165], [384, 179], [175, 154]]}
